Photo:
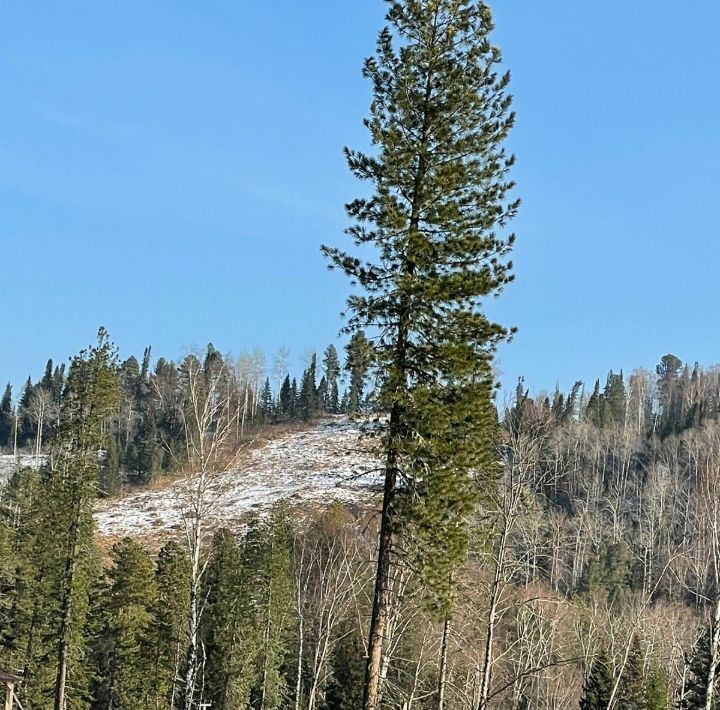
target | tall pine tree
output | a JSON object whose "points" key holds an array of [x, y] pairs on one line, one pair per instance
{"points": [[439, 181], [90, 400]]}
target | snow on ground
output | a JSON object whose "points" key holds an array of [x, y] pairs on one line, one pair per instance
{"points": [[329, 461], [9, 464]]}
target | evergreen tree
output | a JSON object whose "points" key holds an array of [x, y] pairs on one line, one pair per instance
{"points": [[669, 388], [656, 689], [6, 418], [19, 576], [345, 402], [145, 455], [594, 409], [308, 396], [331, 366], [358, 359], [322, 395], [166, 635], [25, 428], [294, 399], [286, 403], [109, 470], [128, 605], [231, 641], [439, 117], [58, 382], [598, 686], [631, 690], [267, 408], [696, 694], [268, 567], [90, 400], [614, 400], [572, 402], [47, 378], [608, 574], [345, 688], [145, 368]]}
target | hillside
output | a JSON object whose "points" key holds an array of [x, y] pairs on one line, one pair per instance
{"points": [[329, 460], [9, 464]]}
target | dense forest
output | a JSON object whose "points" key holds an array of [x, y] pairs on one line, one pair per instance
{"points": [[591, 570]]}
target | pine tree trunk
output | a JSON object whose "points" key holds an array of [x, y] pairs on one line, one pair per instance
{"points": [[382, 597], [442, 675], [63, 648]]}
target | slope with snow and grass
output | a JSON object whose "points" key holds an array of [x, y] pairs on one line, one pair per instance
{"points": [[328, 461], [10, 463]]}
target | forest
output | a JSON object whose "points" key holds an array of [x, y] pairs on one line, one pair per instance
{"points": [[595, 549], [558, 553]]}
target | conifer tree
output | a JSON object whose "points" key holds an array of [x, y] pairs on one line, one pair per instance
{"points": [[631, 689], [47, 378], [6, 418], [166, 636], [656, 689], [345, 402], [696, 693], [231, 642], [128, 604], [268, 549], [594, 409], [25, 431], [345, 689], [145, 367], [90, 400], [145, 454], [19, 603], [294, 399], [439, 201], [357, 363], [614, 400], [308, 396], [572, 402], [598, 686], [285, 399], [331, 366], [670, 393], [267, 408], [58, 382], [322, 395]]}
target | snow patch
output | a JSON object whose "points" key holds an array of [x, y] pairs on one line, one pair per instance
{"points": [[329, 461], [10, 464]]}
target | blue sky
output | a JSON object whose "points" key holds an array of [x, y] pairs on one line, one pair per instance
{"points": [[170, 169]]}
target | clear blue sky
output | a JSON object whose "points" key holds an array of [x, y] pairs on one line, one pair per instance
{"points": [[169, 170]]}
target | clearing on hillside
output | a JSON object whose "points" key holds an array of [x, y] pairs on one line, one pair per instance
{"points": [[328, 461]]}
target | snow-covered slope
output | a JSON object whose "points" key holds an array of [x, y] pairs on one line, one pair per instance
{"points": [[329, 461], [9, 464]]}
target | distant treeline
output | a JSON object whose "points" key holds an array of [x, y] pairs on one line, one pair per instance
{"points": [[147, 434]]}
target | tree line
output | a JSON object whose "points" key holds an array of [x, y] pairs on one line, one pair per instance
{"points": [[147, 437], [589, 579]]}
